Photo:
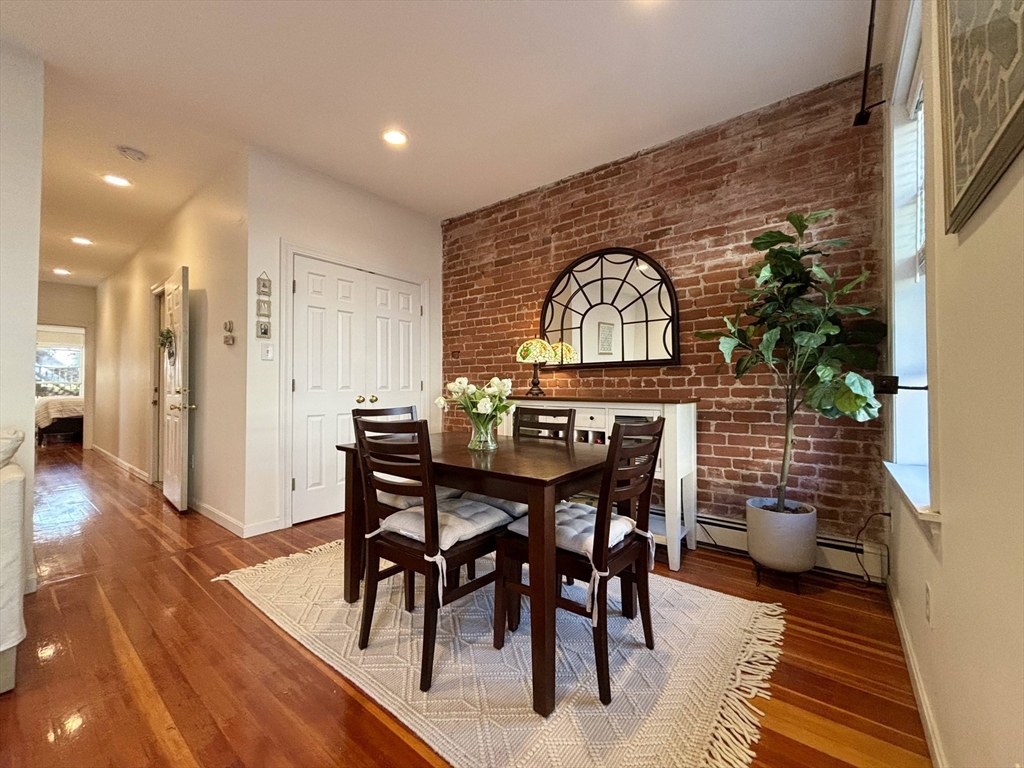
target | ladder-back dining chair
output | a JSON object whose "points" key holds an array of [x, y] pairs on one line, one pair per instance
{"points": [[595, 545], [545, 423], [434, 539]]}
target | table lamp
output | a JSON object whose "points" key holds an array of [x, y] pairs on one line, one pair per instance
{"points": [[564, 353], [537, 352]]}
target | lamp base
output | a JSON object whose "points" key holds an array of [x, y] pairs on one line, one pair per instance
{"points": [[535, 390]]}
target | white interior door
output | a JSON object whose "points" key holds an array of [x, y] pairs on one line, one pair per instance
{"points": [[174, 382], [393, 343]]}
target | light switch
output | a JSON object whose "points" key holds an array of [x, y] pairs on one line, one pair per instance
{"points": [[266, 351]]}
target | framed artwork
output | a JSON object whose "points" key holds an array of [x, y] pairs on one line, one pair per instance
{"points": [[981, 61], [262, 307], [263, 285], [605, 338], [262, 329]]}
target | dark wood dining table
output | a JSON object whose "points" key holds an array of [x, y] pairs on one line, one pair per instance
{"points": [[537, 472]]}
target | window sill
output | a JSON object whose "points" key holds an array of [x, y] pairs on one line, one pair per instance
{"points": [[913, 483]]}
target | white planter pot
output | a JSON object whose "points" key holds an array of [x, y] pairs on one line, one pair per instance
{"points": [[782, 541]]}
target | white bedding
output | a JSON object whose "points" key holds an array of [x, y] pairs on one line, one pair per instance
{"points": [[48, 409]]}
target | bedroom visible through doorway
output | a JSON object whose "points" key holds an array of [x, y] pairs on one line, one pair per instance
{"points": [[60, 384]]}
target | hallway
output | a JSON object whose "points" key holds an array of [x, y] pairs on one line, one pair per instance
{"points": [[134, 657]]}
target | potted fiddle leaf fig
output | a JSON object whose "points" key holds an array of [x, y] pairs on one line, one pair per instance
{"points": [[796, 324]]}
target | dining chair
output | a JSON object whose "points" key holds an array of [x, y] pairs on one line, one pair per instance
{"points": [[434, 539], [544, 423], [595, 545]]}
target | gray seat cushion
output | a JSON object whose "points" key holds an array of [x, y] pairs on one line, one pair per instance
{"points": [[457, 520], [514, 508], [574, 527], [405, 502]]}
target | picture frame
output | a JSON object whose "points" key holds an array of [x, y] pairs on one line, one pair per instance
{"points": [[263, 285], [262, 329], [262, 307], [605, 338], [982, 101]]}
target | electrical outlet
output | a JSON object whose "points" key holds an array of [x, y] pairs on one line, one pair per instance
{"points": [[928, 603]]}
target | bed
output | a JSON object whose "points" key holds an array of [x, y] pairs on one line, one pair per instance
{"points": [[59, 416]]}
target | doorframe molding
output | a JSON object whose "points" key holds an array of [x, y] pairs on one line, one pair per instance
{"points": [[289, 250], [155, 466]]}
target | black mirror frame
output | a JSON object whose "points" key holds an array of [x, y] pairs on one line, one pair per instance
{"points": [[673, 320]]}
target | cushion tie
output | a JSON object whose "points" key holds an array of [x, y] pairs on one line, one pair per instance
{"points": [[595, 577], [442, 577], [650, 547], [371, 534]]}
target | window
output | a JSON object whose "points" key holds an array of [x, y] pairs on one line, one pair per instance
{"points": [[60, 362]]}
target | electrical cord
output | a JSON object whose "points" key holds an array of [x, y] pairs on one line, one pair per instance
{"points": [[858, 547], [708, 533]]}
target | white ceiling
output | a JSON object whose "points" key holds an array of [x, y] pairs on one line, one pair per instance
{"points": [[497, 97]]}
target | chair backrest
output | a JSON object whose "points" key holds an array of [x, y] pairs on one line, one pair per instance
{"points": [[385, 414], [628, 480], [557, 423], [393, 450]]}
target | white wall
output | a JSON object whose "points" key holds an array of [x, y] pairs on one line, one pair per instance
{"points": [[21, 174], [968, 662], [75, 305], [294, 205], [209, 236]]}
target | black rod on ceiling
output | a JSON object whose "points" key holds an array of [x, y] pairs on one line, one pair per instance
{"points": [[862, 117]]}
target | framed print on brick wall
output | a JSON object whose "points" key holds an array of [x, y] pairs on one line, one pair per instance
{"points": [[981, 62]]}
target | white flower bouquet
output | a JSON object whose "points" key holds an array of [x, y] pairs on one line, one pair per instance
{"points": [[484, 405]]}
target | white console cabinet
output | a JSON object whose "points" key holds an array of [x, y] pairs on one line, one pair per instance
{"points": [[677, 465]]}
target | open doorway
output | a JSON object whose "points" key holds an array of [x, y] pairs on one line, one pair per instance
{"points": [[60, 384]]}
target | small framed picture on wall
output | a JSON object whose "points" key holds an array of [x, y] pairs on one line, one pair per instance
{"points": [[262, 329], [263, 285], [262, 307], [605, 338]]}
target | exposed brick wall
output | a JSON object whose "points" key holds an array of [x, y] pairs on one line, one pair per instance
{"points": [[694, 205]]}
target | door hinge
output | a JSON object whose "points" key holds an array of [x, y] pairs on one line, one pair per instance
{"points": [[293, 385], [421, 310], [293, 483], [421, 385], [293, 286]]}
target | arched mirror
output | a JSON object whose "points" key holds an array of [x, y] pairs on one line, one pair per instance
{"points": [[613, 307]]}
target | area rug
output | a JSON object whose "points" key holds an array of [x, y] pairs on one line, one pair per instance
{"points": [[689, 702]]}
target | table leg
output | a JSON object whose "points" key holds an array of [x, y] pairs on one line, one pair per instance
{"points": [[542, 596], [355, 527]]}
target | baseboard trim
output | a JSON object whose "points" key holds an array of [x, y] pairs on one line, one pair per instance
{"points": [[931, 727], [219, 518], [120, 463], [834, 554], [266, 526]]}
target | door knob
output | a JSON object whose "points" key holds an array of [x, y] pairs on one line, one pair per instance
{"points": [[360, 399], [373, 398], [192, 407], [174, 407]]}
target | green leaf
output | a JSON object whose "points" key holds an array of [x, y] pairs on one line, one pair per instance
{"points": [[869, 332], [745, 363], [853, 283], [764, 276], [799, 223], [865, 358], [708, 335], [729, 323], [728, 344], [828, 329], [853, 310], [820, 397], [768, 342], [814, 218], [826, 371], [808, 339], [822, 275], [839, 242], [771, 238], [848, 401], [859, 384]]}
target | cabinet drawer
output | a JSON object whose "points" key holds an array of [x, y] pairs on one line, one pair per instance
{"points": [[591, 418]]}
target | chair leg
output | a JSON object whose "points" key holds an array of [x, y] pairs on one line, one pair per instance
{"points": [[604, 686], [410, 590], [471, 570], [369, 593], [500, 598], [643, 588], [514, 609], [627, 584], [431, 607]]}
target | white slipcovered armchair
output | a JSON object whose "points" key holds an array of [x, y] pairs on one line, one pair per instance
{"points": [[12, 555]]}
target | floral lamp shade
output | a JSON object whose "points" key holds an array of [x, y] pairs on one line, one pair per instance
{"points": [[564, 353], [535, 351]]}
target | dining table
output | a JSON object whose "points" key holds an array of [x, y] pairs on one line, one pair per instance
{"points": [[535, 471]]}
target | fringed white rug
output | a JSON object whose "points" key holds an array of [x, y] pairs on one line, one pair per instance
{"points": [[687, 703]]}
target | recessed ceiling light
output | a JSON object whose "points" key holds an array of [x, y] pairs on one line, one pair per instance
{"points": [[81, 241], [395, 137], [117, 181], [59, 271]]}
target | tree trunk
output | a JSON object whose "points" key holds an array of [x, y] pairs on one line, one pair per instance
{"points": [[786, 457]]}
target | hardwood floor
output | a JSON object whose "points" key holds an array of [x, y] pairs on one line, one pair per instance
{"points": [[134, 657]]}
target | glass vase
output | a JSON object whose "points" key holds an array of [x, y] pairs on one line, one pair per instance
{"points": [[483, 436]]}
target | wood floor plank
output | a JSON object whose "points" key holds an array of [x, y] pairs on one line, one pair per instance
{"points": [[134, 657]]}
